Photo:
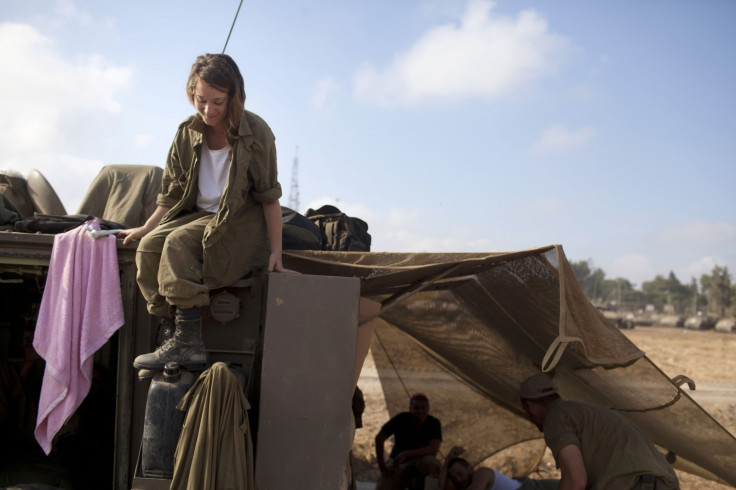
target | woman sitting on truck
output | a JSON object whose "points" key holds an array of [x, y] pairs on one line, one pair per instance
{"points": [[218, 215]]}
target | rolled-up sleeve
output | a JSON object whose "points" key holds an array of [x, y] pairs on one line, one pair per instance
{"points": [[269, 195], [263, 170]]}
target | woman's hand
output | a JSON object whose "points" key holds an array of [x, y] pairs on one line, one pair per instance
{"points": [[275, 264], [133, 234], [138, 233], [455, 452]]}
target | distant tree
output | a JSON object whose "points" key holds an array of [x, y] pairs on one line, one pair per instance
{"points": [[667, 291], [590, 279], [718, 290], [697, 300], [655, 291], [621, 292]]}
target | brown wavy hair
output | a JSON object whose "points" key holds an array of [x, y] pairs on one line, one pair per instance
{"points": [[221, 72]]}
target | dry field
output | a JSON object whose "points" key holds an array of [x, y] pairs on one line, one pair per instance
{"points": [[707, 357]]}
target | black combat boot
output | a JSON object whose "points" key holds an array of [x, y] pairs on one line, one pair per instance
{"points": [[164, 331], [185, 348]]}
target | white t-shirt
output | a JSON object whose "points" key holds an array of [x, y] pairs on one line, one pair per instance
{"points": [[503, 482], [214, 168]]}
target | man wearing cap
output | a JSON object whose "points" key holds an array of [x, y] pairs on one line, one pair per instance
{"points": [[417, 438], [594, 447]]}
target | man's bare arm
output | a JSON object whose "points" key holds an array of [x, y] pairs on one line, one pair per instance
{"points": [[572, 468], [483, 479]]}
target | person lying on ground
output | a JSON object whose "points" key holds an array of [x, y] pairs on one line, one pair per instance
{"points": [[458, 474]]}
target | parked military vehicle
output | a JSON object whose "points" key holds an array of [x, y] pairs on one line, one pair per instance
{"points": [[620, 319], [700, 322], [726, 325], [100, 445]]}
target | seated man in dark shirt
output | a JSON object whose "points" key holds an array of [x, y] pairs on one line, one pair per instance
{"points": [[417, 438]]}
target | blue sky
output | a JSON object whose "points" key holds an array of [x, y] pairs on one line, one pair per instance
{"points": [[608, 127]]}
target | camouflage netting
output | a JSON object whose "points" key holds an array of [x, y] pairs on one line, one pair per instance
{"points": [[467, 329]]}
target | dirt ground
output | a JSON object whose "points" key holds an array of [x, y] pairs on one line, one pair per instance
{"points": [[706, 357]]}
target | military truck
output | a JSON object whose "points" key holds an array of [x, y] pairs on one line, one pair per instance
{"points": [[285, 333]]}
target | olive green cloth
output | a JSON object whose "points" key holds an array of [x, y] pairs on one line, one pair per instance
{"points": [[169, 265], [215, 450], [124, 194]]}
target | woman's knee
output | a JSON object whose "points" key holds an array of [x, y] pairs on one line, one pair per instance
{"points": [[183, 244], [152, 242]]}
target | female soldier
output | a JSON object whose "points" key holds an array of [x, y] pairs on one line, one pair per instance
{"points": [[218, 214]]}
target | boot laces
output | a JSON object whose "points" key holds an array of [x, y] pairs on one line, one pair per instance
{"points": [[167, 345], [167, 325]]}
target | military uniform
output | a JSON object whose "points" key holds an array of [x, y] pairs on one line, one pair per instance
{"points": [[616, 453], [191, 252]]}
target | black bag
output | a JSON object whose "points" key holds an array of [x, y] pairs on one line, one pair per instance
{"points": [[298, 232], [51, 224], [340, 232]]}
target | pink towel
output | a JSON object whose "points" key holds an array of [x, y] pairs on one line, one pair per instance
{"points": [[81, 308]]}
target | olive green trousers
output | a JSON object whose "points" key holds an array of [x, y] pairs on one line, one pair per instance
{"points": [[169, 261]]}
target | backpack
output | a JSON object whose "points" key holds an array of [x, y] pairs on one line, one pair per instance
{"points": [[298, 232], [14, 188], [340, 232]]}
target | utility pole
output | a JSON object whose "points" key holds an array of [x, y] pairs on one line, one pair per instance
{"points": [[694, 286], [294, 190]]}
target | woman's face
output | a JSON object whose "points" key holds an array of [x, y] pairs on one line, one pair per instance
{"points": [[211, 105], [460, 475]]}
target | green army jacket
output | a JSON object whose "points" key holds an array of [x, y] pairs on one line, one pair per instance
{"points": [[236, 239]]}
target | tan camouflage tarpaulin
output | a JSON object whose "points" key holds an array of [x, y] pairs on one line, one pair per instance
{"points": [[492, 319]]}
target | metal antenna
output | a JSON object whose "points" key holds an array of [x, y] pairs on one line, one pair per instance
{"points": [[231, 27], [294, 190]]}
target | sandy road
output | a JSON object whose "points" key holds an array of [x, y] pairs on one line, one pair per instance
{"points": [[710, 393]]}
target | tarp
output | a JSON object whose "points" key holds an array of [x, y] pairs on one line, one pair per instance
{"points": [[492, 319], [123, 193]]}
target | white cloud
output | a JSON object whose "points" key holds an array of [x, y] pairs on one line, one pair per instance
{"points": [[324, 92], [687, 249], [695, 269], [559, 138], [695, 247], [68, 10], [52, 106], [50, 102], [483, 56], [637, 268], [698, 233], [143, 140]]}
